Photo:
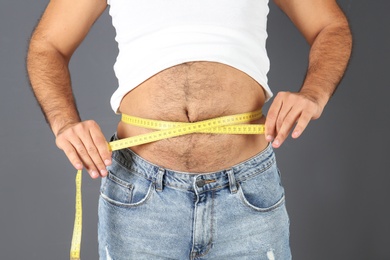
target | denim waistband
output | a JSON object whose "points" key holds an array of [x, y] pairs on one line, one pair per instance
{"points": [[191, 180]]}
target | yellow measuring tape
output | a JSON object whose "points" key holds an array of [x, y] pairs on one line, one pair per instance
{"points": [[78, 221], [221, 125]]}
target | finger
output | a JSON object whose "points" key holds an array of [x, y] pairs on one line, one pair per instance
{"points": [[302, 123], [103, 151], [72, 155], [83, 149], [289, 120], [283, 113], [272, 116], [95, 162], [88, 150]]}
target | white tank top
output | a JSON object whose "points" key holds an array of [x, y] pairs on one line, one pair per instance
{"points": [[153, 35]]}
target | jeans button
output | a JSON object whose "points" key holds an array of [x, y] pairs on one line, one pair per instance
{"points": [[200, 183]]}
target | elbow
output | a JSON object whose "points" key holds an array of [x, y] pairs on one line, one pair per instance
{"points": [[342, 32], [338, 31], [40, 47]]}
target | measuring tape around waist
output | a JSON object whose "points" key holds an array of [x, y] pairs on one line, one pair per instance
{"points": [[222, 125], [226, 129]]}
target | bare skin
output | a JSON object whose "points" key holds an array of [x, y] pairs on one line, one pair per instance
{"points": [[186, 92], [193, 92]]}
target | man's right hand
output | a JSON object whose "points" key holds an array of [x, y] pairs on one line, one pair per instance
{"points": [[85, 146]]}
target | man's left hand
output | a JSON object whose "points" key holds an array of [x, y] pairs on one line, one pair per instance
{"points": [[289, 109]]}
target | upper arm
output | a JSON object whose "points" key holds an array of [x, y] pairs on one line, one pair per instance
{"points": [[312, 16], [65, 23]]}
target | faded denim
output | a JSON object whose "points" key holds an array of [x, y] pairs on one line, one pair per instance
{"points": [[148, 212]]}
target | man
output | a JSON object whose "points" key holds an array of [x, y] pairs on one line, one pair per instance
{"points": [[197, 196]]}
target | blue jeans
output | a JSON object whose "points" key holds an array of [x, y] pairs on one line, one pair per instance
{"points": [[148, 212]]}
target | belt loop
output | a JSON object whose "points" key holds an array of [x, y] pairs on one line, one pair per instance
{"points": [[232, 181], [159, 179]]}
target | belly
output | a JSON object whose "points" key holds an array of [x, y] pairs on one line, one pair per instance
{"points": [[193, 92]]}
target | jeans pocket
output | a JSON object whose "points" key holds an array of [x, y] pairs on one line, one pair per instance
{"points": [[262, 192], [129, 191]]}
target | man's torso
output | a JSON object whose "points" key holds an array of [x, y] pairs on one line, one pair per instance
{"points": [[192, 92]]}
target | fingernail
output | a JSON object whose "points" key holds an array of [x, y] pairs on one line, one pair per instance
{"points": [[103, 172], [94, 173], [79, 166], [295, 134], [107, 162], [276, 142], [268, 138]]}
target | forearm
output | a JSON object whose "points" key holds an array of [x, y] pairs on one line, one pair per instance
{"points": [[50, 80], [328, 59]]}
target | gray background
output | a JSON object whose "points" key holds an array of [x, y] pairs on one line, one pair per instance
{"points": [[335, 175]]}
